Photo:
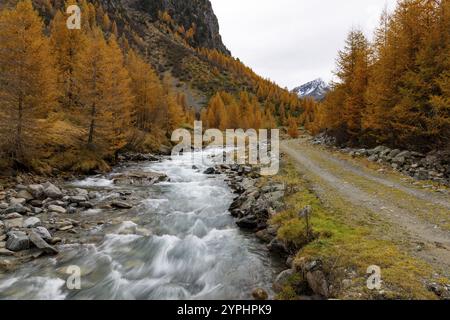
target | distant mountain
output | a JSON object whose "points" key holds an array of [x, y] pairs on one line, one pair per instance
{"points": [[316, 89]]}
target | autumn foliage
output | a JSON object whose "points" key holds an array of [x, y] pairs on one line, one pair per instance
{"points": [[394, 90], [68, 96]]}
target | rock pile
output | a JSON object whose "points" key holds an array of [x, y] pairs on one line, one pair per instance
{"points": [[434, 166]]}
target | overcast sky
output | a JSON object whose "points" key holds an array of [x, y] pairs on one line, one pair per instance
{"points": [[293, 41]]}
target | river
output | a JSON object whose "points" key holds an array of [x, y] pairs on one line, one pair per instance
{"points": [[178, 242]]}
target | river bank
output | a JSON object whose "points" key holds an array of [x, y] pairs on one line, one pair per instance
{"points": [[147, 230]]}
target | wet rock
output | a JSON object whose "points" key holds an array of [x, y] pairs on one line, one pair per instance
{"points": [[52, 191], [93, 195], [86, 205], [36, 239], [36, 190], [25, 195], [121, 205], [277, 246], [77, 199], [249, 222], [264, 236], [37, 210], [43, 233], [13, 223], [16, 208], [130, 156], [6, 252], [260, 294], [17, 241], [31, 222], [14, 201], [211, 171], [36, 203], [140, 178], [56, 209], [282, 279], [13, 215]]}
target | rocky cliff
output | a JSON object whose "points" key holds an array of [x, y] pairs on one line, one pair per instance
{"points": [[186, 13]]}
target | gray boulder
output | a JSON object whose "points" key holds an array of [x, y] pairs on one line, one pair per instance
{"points": [[11, 216], [281, 279], [394, 153], [36, 240], [43, 233], [56, 209], [77, 199], [248, 222], [31, 222], [52, 191], [14, 223], [16, 208], [25, 195], [14, 201], [121, 205], [36, 190], [17, 241]]}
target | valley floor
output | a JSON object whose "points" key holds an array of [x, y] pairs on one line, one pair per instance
{"points": [[416, 220]]}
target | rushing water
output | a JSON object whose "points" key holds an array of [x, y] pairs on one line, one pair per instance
{"points": [[179, 242]]}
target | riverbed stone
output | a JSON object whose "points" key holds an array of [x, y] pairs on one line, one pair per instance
{"points": [[14, 201], [249, 222], [13, 215], [36, 190], [36, 240], [43, 233], [16, 208], [13, 223], [52, 191], [77, 199], [56, 209], [6, 252], [137, 178], [17, 241], [31, 222], [121, 205], [25, 195]]}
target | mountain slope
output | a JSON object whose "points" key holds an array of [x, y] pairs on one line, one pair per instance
{"points": [[316, 89]]}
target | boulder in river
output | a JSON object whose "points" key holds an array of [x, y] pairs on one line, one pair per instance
{"points": [[43, 233], [36, 190], [17, 241], [121, 205], [140, 178], [31, 222], [56, 209], [16, 208], [36, 239], [14, 223], [52, 191]]}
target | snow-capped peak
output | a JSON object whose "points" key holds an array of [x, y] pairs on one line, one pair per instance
{"points": [[316, 89]]}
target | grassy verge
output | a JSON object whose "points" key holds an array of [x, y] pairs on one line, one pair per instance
{"points": [[346, 249]]}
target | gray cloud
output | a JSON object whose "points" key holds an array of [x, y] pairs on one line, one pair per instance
{"points": [[293, 41]]}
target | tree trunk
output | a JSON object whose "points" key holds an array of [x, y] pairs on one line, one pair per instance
{"points": [[92, 125], [18, 148]]}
